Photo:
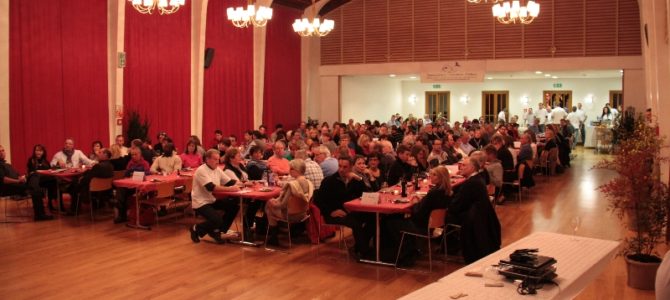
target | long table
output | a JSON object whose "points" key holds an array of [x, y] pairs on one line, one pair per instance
{"points": [[579, 261], [253, 193], [386, 206], [62, 175]]}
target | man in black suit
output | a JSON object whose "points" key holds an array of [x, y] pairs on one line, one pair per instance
{"points": [[470, 208], [337, 189], [103, 169], [401, 168]]}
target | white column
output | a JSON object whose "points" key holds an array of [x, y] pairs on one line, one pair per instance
{"points": [[4, 78], [198, 30], [116, 16], [310, 58], [259, 67]]}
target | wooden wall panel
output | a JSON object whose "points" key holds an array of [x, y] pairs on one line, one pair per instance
{"points": [[331, 45], [600, 34], [538, 36], [401, 44], [352, 32], [377, 31], [452, 29], [426, 34]]}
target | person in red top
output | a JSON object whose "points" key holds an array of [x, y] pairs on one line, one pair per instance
{"points": [[277, 163], [190, 158]]}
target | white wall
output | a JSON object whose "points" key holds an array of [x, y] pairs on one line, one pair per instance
{"points": [[369, 97]]}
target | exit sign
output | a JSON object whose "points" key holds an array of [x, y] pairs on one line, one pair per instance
{"points": [[558, 85], [437, 86]]}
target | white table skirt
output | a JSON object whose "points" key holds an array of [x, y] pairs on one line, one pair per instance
{"points": [[579, 261]]}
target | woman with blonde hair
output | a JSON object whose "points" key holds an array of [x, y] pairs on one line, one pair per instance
{"points": [[438, 197]]}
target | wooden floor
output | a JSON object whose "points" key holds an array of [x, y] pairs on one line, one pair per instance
{"points": [[70, 258]]}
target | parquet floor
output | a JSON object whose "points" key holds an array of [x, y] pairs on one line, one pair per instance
{"points": [[76, 259]]}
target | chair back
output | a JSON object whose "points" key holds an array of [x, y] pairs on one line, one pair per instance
{"points": [[100, 184], [297, 205], [437, 217], [165, 189]]}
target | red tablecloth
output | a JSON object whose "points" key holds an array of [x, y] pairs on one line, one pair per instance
{"points": [[150, 182], [65, 174], [250, 193]]}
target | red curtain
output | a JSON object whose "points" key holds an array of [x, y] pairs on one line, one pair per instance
{"points": [[157, 77], [58, 75], [228, 86], [281, 103]]}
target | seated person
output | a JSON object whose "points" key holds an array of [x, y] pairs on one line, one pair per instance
{"points": [[494, 168], [437, 153], [334, 192], [207, 179], [103, 169], [470, 208], [376, 174], [191, 158], [11, 183], [235, 170], [438, 197], [323, 157], [147, 154], [361, 173], [136, 164], [95, 150], [168, 162], [505, 157], [313, 171], [70, 157], [256, 167], [278, 163], [38, 161], [293, 202], [401, 168], [525, 162], [454, 154]]}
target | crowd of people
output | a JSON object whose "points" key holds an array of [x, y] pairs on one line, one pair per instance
{"points": [[328, 165]]}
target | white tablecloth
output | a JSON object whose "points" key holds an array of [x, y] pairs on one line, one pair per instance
{"points": [[579, 261]]}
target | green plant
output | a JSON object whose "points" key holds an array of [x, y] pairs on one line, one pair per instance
{"points": [[136, 127], [637, 192]]}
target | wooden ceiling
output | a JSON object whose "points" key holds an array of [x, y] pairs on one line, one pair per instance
{"points": [[302, 4]]}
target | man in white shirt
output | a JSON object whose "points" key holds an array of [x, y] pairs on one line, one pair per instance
{"points": [[207, 179], [501, 116], [529, 118], [582, 121], [119, 149], [541, 114], [558, 114], [614, 111], [70, 157], [574, 120]]}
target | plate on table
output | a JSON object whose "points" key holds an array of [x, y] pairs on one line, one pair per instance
{"points": [[265, 189], [421, 194]]}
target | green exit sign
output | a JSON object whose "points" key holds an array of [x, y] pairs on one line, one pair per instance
{"points": [[437, 86], [558, 85]]}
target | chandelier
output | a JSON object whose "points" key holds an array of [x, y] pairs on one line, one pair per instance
{"points": [[165, 7], [507, 14], [241, 18], [304, 27]]}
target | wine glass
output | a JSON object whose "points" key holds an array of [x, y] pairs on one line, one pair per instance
{"points": [[575, 223]]}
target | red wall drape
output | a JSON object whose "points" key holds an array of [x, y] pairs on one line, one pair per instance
{"points": [[58, 75], [281, 103], [228, 86], [157, 77]]}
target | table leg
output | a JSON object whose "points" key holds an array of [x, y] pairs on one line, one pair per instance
{"points": [[137, 224], [242, 241], [378, 261]]}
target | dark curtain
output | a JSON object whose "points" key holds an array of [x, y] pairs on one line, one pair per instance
{"points": [[281, 103], [228, 85], [157, 77], [58, 75]]}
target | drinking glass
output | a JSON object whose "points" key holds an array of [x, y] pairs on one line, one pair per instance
{"points": [[575, 223]]}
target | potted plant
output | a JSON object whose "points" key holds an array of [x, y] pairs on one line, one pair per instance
{"points": [[135, 127], [638, 196]]}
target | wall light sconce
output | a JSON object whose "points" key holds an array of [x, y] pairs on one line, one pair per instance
{"points": [[465, 99], [589, 99], [412, 99]]}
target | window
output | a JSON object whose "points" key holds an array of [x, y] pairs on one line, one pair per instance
{"points": [[436, 103], [492, 103], [616, 99], [558, 98]]}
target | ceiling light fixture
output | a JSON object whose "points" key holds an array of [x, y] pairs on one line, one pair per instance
{"points": [[507, 13], [165, 7], [304, 27], [252, 15]]}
